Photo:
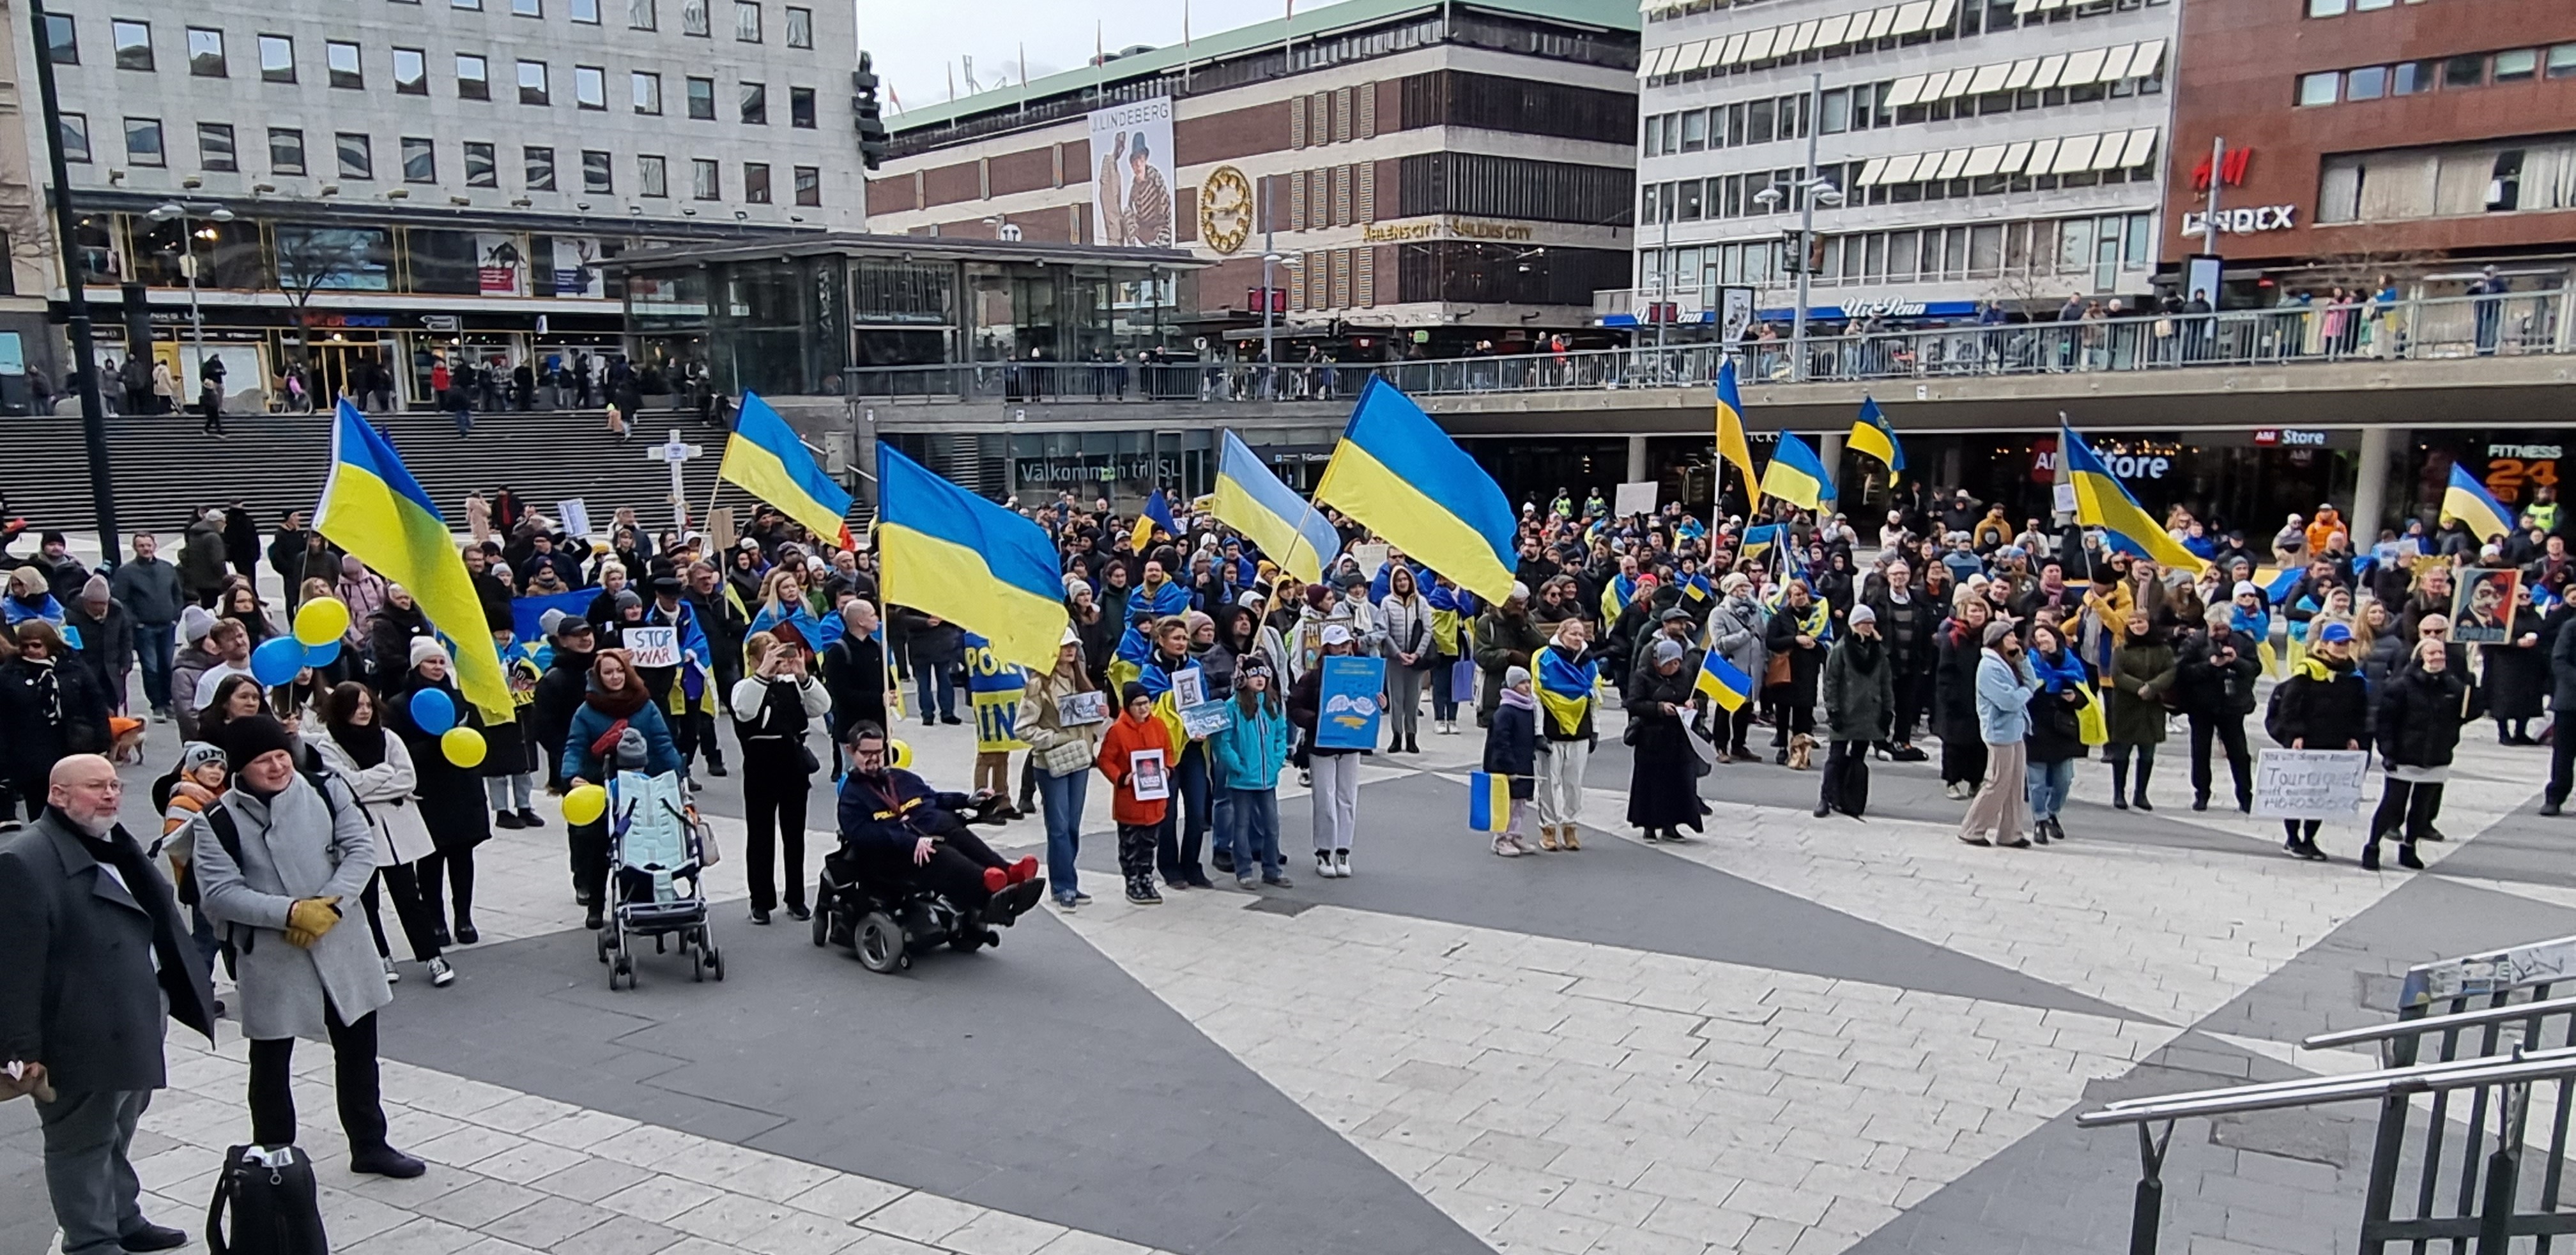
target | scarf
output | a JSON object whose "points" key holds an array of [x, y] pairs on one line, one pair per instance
{"points": [[1565, 688], [1517, 698], [363, 743], [1864, 652], [618, 705]]}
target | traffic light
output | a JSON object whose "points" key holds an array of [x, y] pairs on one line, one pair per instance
{"points": [[869, 116]]}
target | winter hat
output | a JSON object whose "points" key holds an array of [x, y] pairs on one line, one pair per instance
{"points": [[1999, 629], [1074, 583], [197, 754], [1520, 591], [1734, 582], [246, 738], [1863, 614], [1131, 692], [550, 620], [1514, 677], [2246, 588], [1667, 650], [627, 599], [426, 647], [95, 590], [194, 623]]}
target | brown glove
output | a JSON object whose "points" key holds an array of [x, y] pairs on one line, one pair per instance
{"points": [[309, 918]]}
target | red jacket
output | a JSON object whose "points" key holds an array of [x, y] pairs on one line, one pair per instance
{"points": [[1127, 736]]}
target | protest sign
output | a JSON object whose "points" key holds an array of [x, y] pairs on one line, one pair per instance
{"points": [[1350, 711], [2309, 784]]}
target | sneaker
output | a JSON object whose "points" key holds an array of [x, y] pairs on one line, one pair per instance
{"points": [[1080, 898], [1222, 859], [528, 818], [392, 977], [1973, 839], [1956, 790], [1140, 891], [441, 974], [1324, 864], [1247, 882], [1279, 881], [715, 769], [1342, 864], [1065, 902], [1504, 846]]}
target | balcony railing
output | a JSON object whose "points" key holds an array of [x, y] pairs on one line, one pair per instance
{"points": [[2511, 324]]}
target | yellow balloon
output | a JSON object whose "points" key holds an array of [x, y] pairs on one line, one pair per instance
{"points": [[463, 746], [321, 621], [899, 753], [584, 805]]}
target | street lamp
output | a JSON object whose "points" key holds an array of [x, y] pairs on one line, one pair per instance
{"points": [[1271, 260], [1818, 191], [181, 213]]}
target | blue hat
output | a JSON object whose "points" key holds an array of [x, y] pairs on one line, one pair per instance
{"points": [[2336, 632]]}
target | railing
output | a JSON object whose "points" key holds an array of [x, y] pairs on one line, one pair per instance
{"points": [[2512, 324]]}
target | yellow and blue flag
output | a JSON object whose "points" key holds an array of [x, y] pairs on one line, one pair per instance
{"points": [[1732, 447], [1270, 514], [945, 551], [1489, 801], [765, 456], [377, 513], [1724, 682], [1760, 540], [1564, 688], [1796, 475], [1156, 514], [2102, 501], [1872, 434], [1405, 479], [2468, 501]]}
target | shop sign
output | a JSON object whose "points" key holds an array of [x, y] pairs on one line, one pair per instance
{"points": [[1137, 467], [2231, 169], [2291, 438], [348, 320], [440, 322], [1890, 307], [2247, 221], [2145, 462], [2513, 467], [1452, 228]]}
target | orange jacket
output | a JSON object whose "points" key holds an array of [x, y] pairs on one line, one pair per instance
{"points": [[1127, 736]]}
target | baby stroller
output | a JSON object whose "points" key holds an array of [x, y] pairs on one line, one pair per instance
{"points": [[657, 847]]}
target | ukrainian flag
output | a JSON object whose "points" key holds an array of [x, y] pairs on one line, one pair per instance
{"points": [[765, 456], [1564, 689], [1732, 447], [2468, 501], [1405, 479], [1796, 475], [1156, 514], [948, 552], [1489, 801], [1252, 501], [2102, 501], [1872, 434], [1724, 682], [377, 513], [1759, 540]]}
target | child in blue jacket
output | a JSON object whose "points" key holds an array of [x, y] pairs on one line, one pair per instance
{"points": [[1247, 757]]}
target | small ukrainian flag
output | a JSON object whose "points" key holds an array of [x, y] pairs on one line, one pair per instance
{"points": [[1724, 682], [1489, 801]]}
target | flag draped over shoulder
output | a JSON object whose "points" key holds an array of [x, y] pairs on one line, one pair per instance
{"points": [[766, 457], [1270, 514], [377, 513], [947, 552], [1399, 474], [1564, 688]]}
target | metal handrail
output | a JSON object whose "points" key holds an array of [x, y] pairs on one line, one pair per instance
{"points": [[2479, 1018], [2519, 1068]]}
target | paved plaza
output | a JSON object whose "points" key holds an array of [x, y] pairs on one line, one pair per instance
{"points": [[1795, 1036]]}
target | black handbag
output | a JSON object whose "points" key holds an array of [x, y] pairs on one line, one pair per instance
{"points": [[275, 1209]]}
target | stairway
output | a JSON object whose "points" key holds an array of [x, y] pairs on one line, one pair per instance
{"points": [[165, 471]]}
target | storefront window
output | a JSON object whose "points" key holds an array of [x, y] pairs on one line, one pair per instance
{"points": [[228, 253], [445, 261], [334, 259]]}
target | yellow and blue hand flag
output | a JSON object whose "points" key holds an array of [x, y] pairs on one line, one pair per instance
{"points": [[2102, 501], [947, 552], [1489, 801], [765, 456], [1270, 514], [1872, 434], [1405, 479], [2468, 501], [1796, 475], [1732, 447], [1723, 681], [1156, 514]]}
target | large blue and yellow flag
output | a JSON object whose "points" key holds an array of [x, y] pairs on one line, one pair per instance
{"points": [[1564, 687], [1872, 434], [765, 456], [1723, 681], [1732, 447], [1157, 514], [945, 551], [1399, 474], [2468, 501], [2102, 501], [1252, 501], [377, 513], [1796, 475], [1757, 541]]}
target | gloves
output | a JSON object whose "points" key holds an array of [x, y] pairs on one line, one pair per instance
{"points": [[309, 918]]}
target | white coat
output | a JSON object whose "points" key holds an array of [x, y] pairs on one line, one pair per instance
{"points": [[386, 788]]}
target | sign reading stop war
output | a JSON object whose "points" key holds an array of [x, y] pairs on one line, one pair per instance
{"points": [[2309, 784]]}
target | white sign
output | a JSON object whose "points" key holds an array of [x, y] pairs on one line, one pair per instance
{"points": [[1131, 158], [575, 513], [2242, 221], [2062, 498], [1075, 710], [2309, 784], [1145, 775], [653, 646], [1370, 557], [1636, 498]]}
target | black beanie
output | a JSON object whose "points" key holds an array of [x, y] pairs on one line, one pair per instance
{"points": [[250, 736], [1127, 696]]}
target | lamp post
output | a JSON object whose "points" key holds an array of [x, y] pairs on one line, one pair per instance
{"points": [[1818, 191], [1271, 260], [179, 212]]}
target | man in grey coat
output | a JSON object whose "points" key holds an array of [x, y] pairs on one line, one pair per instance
{"points": [[96, 951], [275, 887]]}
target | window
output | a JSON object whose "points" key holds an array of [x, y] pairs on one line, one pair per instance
{"points": [[2562, 61], [702, 99], [809, 185], [2469, 71], [476, 5], [2414, 78], [411, 72], [755, 104], [285, 150], [755, 182], [1837, 117], [585, 11], [2328, 8], [75, 136], [133, 44], [648, 92], [482, 165], [215, 146], [639, 14], [473, 78], [206, 53], [419, 159], [595, 177], [705, 181], [2319, 89], [541, 169], [800, 108], [1694, 130], [589, 87], [532, 83], [652, 176], [62, 39], [143, 142], [2369, 83], [343, 59], [693, 17], [2518, 66], [357, 155], [746, 22], [800, 27], [528, 8], [277, 58]]}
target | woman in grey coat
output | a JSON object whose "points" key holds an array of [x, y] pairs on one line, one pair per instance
{"points": [[1738, 628], [275, 861]]}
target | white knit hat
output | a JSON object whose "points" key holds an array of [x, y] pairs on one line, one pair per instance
{"points": [[423, 647]]}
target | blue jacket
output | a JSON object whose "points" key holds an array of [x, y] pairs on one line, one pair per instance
{"points": [[1249, 752], [2003, 700], [1511, 747], [589, 724]]}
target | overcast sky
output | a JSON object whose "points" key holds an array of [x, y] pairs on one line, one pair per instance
{"points": [[917, 45]]}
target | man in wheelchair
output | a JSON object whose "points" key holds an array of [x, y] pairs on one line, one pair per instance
{"points": [[899, 833]]}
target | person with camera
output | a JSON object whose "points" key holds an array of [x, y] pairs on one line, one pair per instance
{"points": [[772, 707], [2215, 670]]}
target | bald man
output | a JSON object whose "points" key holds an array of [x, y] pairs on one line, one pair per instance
{"points": [[95, 948]]}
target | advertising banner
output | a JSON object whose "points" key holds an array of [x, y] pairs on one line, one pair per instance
{"points": [[498, 263], [1131, 155], [577, 267]]}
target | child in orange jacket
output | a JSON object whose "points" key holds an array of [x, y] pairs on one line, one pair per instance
{"points": [[1136, 755]]}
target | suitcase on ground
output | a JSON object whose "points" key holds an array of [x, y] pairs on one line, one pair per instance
{"points": [[275, 1210]]}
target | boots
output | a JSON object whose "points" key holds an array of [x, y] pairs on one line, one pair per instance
{"points": [[1547, 836], [1572, 842], [2140, 799], [2406, 857], [2370, 855], [2119, 784]]}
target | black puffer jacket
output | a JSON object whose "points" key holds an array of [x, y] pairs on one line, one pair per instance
{"points": [[2326, 704], [2205, 686], [2421, 715]]}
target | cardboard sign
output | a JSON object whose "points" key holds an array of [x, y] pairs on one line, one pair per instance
{"points": [[575, 513], [1636, 498], [2309, 784], [1075, 710], [1146, 775], [1350, 711], [1369, 557], [654, 646]]}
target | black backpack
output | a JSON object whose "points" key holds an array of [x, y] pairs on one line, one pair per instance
{"points": [[275, 1208], [2275, 716]]}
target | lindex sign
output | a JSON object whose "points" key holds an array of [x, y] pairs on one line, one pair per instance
{"points": [[2246, 221]]}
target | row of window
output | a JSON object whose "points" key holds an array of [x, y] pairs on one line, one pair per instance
{"points": [[2337, 8], [2414, 78], [218, 149], [1902, 25], [1731, 126], [2524, 176], [2038, 82], [1869, 183], [2096, 246], [131, 38]]}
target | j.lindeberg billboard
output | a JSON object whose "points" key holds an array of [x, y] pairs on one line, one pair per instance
{"points": [[1132, 192]]}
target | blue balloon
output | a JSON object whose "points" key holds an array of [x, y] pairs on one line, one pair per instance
{"points": [[432, 711], [277, 660], [322, 655]]}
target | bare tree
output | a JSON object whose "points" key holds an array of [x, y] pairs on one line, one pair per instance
{"points": [[317, 259]]}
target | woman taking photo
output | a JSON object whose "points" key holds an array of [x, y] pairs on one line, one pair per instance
{"points": [[1061, 753], [378, 769], [772, 707], [450, 797], [1405, 618]]}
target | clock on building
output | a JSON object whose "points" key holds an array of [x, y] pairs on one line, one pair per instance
{"points": [[1225, 209]]}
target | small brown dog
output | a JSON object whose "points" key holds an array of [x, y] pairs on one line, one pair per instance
{"points": [[1802, 752], [128, 747]]}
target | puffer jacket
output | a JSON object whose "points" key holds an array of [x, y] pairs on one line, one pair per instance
{"points": [[2420, 717]]}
